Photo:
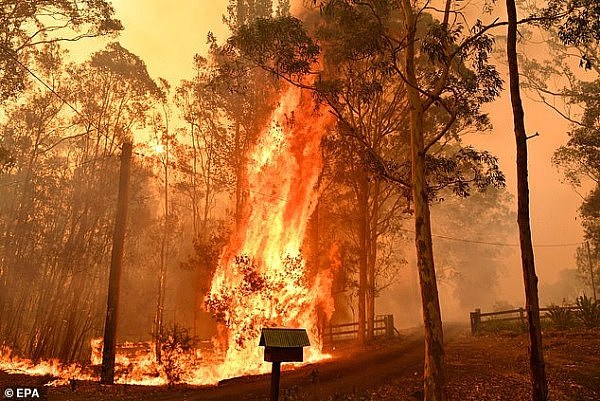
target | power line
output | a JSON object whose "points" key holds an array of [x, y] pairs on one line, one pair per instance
{"points": [[445, 237], [471, 241], [49, 88]]}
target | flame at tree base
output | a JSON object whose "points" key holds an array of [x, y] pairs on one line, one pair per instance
{"points": [[262, 279]]}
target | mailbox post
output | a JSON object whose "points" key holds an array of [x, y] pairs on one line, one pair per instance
{"points": [[282, 345]]}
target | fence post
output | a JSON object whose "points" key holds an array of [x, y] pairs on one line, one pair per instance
{"points": [[389, 326], [475, 321]]}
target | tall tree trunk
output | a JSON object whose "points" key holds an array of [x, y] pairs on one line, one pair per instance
{"points": [[110, 326], [536, 355], [372, 260], [434, 344], [238, 175], [363, 207], [160, 302], [373, 218]]}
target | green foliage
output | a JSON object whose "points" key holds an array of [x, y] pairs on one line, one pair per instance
{"points": [[580, 25], [561, 318], [462, 171], [280, 45], [590, 311]]}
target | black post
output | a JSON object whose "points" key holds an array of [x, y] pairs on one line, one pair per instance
{"points": [[389, 326], [475, 321], [275, 373], [110, 325], [589, 254]]}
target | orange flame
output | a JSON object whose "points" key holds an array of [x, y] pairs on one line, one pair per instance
{"points": [[262, 278]]}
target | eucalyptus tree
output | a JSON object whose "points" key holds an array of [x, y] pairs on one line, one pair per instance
{"points": [[368, 108], [247, 94], [573, 34], [206, 166]]}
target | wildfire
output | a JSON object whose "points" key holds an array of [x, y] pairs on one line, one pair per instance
{"points": [[14, 364], [262, 279]]}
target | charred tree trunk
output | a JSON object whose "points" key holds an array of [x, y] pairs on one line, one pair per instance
{"points": [[238, 175], [241, 176], [591, 265], [536, 355], [434, 344], [110, 327]]}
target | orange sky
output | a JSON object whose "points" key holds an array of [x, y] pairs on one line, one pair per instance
{"points": [[167, 34]]}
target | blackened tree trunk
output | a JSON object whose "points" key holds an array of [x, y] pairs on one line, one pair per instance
{"points": [[373, 228], [434, 343], [536, 356], [110, 327]]}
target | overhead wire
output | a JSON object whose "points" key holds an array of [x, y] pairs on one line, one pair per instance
{"points": [[472, 241], [445, 237], [54, 92]]}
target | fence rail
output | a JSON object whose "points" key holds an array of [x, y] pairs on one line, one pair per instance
{"points": [[383, 327], [520, 315]]}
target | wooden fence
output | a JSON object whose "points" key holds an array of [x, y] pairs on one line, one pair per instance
{"points": [[383, 327], [479, 320]]}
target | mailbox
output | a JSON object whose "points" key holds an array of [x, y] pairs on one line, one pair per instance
{"points": [[282, 345]]}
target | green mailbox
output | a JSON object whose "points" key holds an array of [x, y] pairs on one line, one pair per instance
{"points": [[282, 345]]}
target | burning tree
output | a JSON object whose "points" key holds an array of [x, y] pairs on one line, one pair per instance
{"points": [[262, 279]]}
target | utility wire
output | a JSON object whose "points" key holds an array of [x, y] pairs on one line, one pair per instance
{"points": [[470, 241], [49, 88], [445, 237]]}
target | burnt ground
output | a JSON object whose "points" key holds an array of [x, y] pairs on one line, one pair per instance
{"points": [[490, 367]]}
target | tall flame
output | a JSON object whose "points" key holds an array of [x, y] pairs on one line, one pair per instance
{"points": [[262, 279]]}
